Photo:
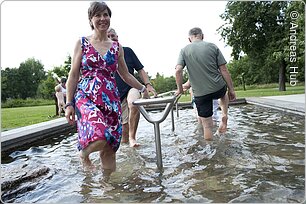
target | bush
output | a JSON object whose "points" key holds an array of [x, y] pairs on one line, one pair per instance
{"points": [[13, 103]]}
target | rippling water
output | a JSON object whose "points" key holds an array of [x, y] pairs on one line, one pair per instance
{"points": [[260, 159]]}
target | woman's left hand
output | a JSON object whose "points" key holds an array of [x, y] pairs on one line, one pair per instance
{"points": [[145, 94], [151, 90]]}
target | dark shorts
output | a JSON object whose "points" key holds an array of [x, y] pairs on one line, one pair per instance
{"points": [[205, 103]]}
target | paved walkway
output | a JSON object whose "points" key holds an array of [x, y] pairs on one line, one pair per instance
{"points": [[289, 103]]}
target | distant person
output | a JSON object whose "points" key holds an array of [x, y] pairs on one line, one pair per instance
{"points": [[130, 112], [61, 83], [62, 86], [208, 77], [95, 98], [60, 99], [215, 116]]}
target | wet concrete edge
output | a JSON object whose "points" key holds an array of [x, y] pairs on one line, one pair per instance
{"points": [[286, 106]]}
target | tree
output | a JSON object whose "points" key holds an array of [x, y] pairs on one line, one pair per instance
{"points": [[67, 65], [260, 30], [31, 73], [46, 87], [9, 83], [163, 84]]}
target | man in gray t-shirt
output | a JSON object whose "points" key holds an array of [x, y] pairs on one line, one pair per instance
{"points": [[209, 79]]}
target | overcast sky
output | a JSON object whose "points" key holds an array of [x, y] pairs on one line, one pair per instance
{"points": [[155, 30]]}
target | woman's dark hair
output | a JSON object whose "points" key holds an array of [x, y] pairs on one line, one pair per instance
{"points": [[97, 7]]}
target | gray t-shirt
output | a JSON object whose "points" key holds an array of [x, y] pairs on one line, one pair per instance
{"points": [[202, 60]]}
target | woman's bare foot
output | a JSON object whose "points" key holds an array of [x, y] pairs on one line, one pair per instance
{"points": [[87, 165], [223, 124], [133, 143]]}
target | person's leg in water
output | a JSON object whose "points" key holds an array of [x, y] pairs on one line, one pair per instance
{"points": [[92, 147], [224, 101], [215, 110], [215, 116], [199, 127], [205, 111], [108, 161], [125, 120], [134, 116], [207, 124]]}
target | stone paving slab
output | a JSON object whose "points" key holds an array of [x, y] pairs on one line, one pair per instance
{"points": [[289, 103], [295, 98]]}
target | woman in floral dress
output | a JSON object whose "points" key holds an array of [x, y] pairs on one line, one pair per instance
{"points": [[92, 92]]}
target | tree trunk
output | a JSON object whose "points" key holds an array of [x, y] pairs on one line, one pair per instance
{"points": [[282, 76]]}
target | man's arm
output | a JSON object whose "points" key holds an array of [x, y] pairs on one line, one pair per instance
{"points": [[145, 79], [127, 77], [186, 85], [228, 79], [179, 79]]}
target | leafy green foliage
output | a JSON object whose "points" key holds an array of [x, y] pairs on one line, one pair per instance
{"points": [[22, 82], [261, 30], [13, 103], [46, 87], [163, 84], [30, 80], [9, 83]]}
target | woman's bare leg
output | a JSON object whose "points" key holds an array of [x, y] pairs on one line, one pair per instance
{"points": [[92, 147], [108, 161]]}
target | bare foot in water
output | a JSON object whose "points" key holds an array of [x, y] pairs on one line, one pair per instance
{"points": [[87, 165], [223, 125], [133, 143]]}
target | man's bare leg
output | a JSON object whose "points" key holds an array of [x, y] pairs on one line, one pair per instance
{"points": [[207, 124], [92, 147], [125, 133], [134, 116], [224, 113]]}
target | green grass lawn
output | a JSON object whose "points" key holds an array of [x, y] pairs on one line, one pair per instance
{"points": [[259, 92], [270, 92], [23, 116], [19, 117]]}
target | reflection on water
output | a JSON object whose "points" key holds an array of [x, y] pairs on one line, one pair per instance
{"points": [[260, 159]]}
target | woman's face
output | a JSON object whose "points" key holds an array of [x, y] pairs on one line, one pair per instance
{"points": [[101, 21]]}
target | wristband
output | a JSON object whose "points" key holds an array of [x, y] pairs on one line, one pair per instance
{"points": [[69, 104], [142, 89], [148, 84]]}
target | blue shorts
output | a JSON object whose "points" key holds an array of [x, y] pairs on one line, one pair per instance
{"points": [[205, 103]]}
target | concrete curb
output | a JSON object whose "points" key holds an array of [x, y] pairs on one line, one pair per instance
{"points": [[15, 138], [287, 106]]}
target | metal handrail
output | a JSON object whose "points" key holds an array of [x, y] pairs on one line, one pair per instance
{"points": [[170, 101]]}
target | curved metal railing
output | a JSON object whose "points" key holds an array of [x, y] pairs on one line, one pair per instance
{"points": [[163, 98]]}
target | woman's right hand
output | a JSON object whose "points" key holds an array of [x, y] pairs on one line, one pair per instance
{"points": [[70, 115]]}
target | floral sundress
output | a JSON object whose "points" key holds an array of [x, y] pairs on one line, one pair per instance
{"points": [[97, 101]]}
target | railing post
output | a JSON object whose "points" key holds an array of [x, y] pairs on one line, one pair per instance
{"points": [[158, 146], [170, 101]]}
